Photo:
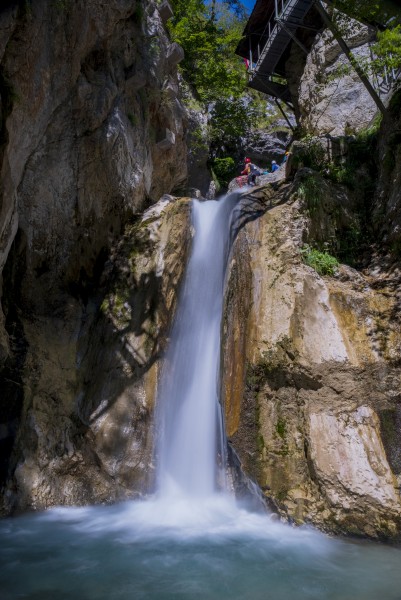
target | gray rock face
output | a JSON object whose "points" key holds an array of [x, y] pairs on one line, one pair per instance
{"points": [[331, 97], [264, 146], [82, 124], [85, 434], [199, 177], [310, 369], [92, 129]]}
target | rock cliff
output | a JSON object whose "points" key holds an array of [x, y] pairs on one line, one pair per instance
{"points": [[331, 97], [92, 130], [85, 432], [311, 368]]}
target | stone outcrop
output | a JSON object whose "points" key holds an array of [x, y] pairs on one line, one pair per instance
{"points": [[88, 92], [199, 177], [263, 146], [92, 131], [89, 378], [314, 405], [328, 96]]}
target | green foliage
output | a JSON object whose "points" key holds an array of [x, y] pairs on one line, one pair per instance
{"points": [[388, 49], [310, 192], [343, 174], [138, 14], [198, 140], [386, 52], [260, 442], [311, 155], [260, 116], [230, 120], [281, 428], [224, 169], [323, 262], [371, 11], [209, 38], [361, 151], [132, 119], [116, 306]]}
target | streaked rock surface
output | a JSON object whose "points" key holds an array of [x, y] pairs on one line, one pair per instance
{"points": [[310, 376]]}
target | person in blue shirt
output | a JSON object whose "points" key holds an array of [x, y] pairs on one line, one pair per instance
{"points": [[274, 166]]}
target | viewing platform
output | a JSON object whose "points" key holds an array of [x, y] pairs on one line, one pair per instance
{"points": [[270, 28], [273, 24]]}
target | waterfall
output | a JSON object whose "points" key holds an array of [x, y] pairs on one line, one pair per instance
{"points": [[187, 541], [190, 445]]}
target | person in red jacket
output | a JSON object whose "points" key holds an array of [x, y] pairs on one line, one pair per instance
{"points": [[251, 171]]}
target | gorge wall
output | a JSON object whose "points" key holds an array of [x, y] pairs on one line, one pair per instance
{"points": [[311, 381], [311, 370], [92, 131]]}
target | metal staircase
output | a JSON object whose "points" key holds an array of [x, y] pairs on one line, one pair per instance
{"points": [[281, 27], [271, 28]]}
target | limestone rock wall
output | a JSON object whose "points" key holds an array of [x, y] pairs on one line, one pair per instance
{"points": [[314, 410], [89, 378], [91, 126], [328, 95], [92, 131]]}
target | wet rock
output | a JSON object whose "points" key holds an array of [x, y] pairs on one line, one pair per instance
{"points": [[85, 434], [331, 97], [318, 370]]}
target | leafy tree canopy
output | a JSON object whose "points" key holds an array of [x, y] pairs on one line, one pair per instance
{"points": [[386, 17], [385, 13], [209, 34]]}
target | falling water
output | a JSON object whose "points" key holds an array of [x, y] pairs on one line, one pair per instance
{"points": [[190, 446], [188, 542]]}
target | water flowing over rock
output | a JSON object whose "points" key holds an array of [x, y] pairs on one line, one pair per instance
{"points": [[93, 132]]}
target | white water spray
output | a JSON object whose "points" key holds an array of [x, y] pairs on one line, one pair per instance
{"points": [[190, 446], [188, 541]]}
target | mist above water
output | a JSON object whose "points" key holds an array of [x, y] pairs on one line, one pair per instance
{"points": [[209, 550]]}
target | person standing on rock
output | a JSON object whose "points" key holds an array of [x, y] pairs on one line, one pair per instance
{"points": [[274, 166], [251, 171]]}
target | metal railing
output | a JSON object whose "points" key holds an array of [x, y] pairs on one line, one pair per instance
{"points": [[273, 25], [385, 81], [279, 7]]}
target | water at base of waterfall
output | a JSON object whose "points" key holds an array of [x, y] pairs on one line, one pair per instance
{"points": [[211, 550], [189, 542]]}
